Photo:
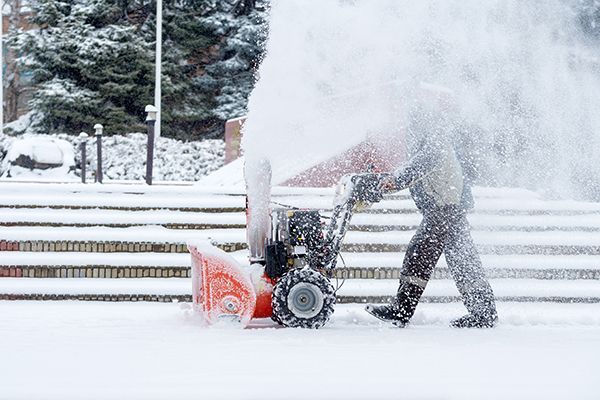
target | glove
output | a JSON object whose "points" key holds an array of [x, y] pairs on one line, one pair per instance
{"points": [[388, 184]]}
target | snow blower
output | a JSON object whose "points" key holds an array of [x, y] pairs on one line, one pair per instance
{"points": [[288, 278]]}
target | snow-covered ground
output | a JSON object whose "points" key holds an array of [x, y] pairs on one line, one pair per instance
{"points": [[71, 350]]}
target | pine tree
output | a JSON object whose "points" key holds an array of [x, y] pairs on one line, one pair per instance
{"points": [[243, 26], [92, 61], [89, 65], [187, 92], [211, 52]]}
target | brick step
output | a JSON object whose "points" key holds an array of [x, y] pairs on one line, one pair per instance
{"points": [[340, 298], [476, 227], [104, 246], [170, 247], [457, 299], [486, 211], [167, 225], [529, 249], [94, 271], [352, 227], [163, 298], [491, 273], [226, 209], [141, 247], [183, 271], [381, 208]]}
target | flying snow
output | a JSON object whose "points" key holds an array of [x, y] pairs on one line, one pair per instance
{"points": [[522, 73]]}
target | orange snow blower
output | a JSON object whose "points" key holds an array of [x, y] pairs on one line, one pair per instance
{"points": [[288, 276]]}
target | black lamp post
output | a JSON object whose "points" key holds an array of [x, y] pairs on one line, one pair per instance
{"points": [[151, 122], [99, 128], [83, 145]]}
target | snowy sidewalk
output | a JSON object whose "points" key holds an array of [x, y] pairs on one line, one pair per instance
{"points": [[71, 350]]}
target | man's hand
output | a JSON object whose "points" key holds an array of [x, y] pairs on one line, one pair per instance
{"points": [[388, 184]]}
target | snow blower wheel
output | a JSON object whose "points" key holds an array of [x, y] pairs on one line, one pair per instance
{"points": [[303, 298]]}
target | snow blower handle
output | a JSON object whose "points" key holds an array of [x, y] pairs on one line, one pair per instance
{"points": [[359, 188], [369, 187], [388, 183], [354, 192]]}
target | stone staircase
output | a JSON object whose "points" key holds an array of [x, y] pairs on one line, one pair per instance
{"points": [[127, 242]]}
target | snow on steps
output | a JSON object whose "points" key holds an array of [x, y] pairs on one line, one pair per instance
{"points": [[155, 234], [120, 218], [175, 219], [358, 266], [161, 289], [157, 271], [370, 261], [214, 199], [160, 239], [114, 231]]}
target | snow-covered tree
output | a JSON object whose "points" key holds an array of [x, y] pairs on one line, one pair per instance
{"points": [[89, 65], [211, 52], [243, 27], [92, 61], [188, 46]]}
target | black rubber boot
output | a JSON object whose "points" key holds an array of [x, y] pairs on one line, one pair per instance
{"points": [[386, 313], [474, 321]]}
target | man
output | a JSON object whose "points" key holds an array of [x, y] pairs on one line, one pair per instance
{"points": [[435, 178]]}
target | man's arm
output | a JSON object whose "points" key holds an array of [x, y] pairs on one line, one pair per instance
{"points": [[416, 168]]}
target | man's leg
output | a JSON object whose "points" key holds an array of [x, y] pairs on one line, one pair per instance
{"points": [[422, 254], [465, 266]]}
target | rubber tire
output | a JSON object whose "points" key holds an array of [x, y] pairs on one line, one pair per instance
{"points": [[275, 318], [285, 316]]}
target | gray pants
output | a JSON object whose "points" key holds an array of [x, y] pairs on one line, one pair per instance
{"points": [[444, 230]]}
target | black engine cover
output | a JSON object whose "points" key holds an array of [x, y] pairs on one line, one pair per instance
{"points": [[275, 260]]}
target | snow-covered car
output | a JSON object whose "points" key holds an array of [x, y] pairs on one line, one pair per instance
{"points": [[39, 157]]}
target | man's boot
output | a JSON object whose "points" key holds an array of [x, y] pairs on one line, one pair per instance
{"points": [[475, 321], [402, 307], [386, 313]]}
